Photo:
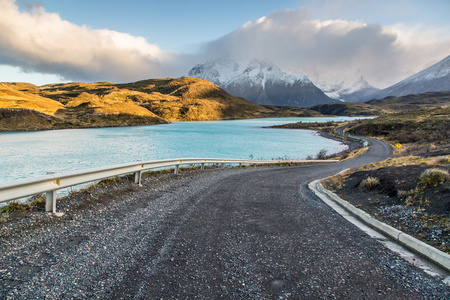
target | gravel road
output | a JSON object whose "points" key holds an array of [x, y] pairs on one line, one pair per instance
{"points": [[233, 233]]}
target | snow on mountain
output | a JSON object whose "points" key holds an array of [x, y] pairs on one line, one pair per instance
{"points": [[224, 71], [261, 82], [346, 87], [433, 79]]}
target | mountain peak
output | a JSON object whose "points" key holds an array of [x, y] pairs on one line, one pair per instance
{"points": [[433, 79], [260, 81], [438, 70], [351, 86]]}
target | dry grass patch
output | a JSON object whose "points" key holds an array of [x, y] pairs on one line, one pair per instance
{"points": [[434, 176], [368, 184], [399, 161], [409, 196], [354, 153], [443, 159], [334, 183]]}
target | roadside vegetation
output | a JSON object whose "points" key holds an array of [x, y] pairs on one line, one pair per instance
{"points": [[423, 132], [411, 190], [413, 198]]}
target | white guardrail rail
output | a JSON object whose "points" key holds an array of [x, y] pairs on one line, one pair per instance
{"points": [[49, 184]]}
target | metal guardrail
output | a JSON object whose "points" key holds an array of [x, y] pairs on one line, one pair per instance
{"points": [[49, 184]]}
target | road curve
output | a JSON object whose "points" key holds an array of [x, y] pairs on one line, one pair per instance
{"points": [[256, 233]]}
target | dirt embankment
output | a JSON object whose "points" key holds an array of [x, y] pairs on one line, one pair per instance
{"points": [[402, 198]]}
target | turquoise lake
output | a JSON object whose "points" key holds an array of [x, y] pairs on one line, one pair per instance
{"points": [[30, 154]]}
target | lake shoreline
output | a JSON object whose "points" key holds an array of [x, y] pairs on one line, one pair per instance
{"points": [[352, 144], [74, 149], [72, 126]]}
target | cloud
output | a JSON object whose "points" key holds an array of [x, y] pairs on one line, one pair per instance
{"points": [[39, 41], [296, 42]]}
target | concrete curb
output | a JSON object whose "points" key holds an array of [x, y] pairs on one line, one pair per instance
{"points": [[431, 253]]}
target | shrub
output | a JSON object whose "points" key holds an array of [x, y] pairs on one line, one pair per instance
{"points": [[443, 159], [411, 193], [369, 183], [108, 181], [322, 154], [4, 217], [37, 199], [434, 176], [409, 196], [408, 138], [13, 206], [344, 154], [334, 183]]}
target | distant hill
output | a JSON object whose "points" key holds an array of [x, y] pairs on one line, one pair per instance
{"points": [[348, 109], [24, 106], [433, 79], [261, 82], [427, 129], [428, 100], [387, 105]]}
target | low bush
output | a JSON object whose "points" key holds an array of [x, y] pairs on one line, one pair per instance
{"points": [[334, 183], [108, 181], [322, 154], [443, 159], [4, 217], [37, 200], [13, 206], [434, 176], [369, 183], [408, 196]]}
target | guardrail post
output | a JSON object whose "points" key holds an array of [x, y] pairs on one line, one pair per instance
{"points": [[203, 166], [177, 169], [50, 201], [137, 177]]}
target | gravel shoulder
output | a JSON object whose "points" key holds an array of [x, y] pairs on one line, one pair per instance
{"points": [[220, 233]]}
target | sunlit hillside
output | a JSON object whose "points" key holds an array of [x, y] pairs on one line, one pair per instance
{"points": [[102, 104], [190, 99], [11, 96]]}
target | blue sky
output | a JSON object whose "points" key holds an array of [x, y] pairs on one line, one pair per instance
{"points": [[170, 24], [174, 25], [84, 40]]}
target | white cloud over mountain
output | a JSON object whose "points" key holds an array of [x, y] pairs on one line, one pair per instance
{"points": [[43, 42], [295, 42], [39, 41]]}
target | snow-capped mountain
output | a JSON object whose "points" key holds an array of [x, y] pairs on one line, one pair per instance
{"points": [[433, 79], [260, 82], [352, 88]]}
